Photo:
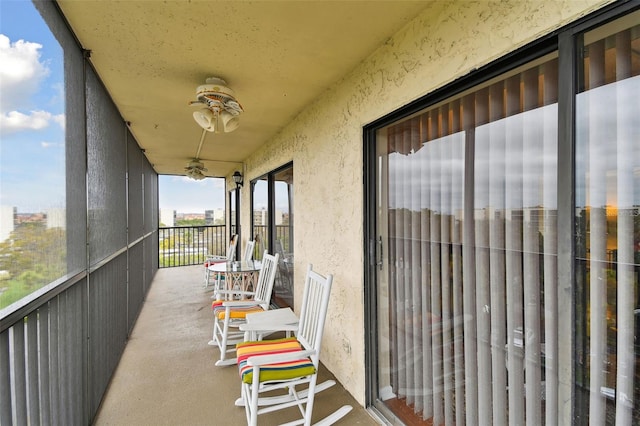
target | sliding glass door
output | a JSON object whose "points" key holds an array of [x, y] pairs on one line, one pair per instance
{"points": [[272, 216], [466, 300], [467, 228]]}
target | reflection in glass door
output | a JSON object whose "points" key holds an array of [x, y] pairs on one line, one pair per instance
{"points": [[283, 235], [234, 217], [272, 228], [260, 216]]}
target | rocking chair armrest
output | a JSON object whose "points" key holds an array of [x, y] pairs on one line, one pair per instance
{"points": [[258, 360], [267, 327], [240, 303], [235, 293]]}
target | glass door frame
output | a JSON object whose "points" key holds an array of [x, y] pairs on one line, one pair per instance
{"points": [[234, 215], [284, 277]]}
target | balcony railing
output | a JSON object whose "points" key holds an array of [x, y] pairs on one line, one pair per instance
{"points": [[190, 245]]}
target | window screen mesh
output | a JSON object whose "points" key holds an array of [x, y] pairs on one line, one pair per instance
{"points": [[106, 158]]}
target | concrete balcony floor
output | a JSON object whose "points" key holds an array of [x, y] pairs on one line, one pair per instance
{"points": [[167, 374]]}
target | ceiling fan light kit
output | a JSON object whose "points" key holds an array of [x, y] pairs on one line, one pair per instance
{"points": [[229, 121], [212, 122], [222, 110], [220, 113], [196, 174], [205, 119]]}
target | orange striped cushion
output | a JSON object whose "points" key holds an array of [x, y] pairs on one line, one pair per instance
{"points": [[273, 372], [236, 312]]}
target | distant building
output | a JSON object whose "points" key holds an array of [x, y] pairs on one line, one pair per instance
{"points": [[189, 216], [7, 221], [213, 216], [168, 217], [56, 218]]}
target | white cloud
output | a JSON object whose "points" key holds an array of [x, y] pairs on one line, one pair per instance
{"points": [[60, 120], [21, 72], [15, 121], [46, 145], [57, 92]]}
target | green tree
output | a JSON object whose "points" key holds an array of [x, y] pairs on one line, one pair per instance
{"points": [[190, 222], [33, 256], [168, 243], [30, 279], [187, 238]]}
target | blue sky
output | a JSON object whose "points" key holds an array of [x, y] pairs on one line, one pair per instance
{"points": [[31, 110], [186, 195], [32, 138]]}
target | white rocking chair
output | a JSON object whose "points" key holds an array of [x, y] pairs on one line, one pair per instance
{"points": [[211, 260], [246, 257], [284, 364], [229, 313]]}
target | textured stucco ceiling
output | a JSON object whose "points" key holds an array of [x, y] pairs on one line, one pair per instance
{"points": [[278, 56]]}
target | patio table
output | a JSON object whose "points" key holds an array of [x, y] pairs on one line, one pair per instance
{"points": [[238, 275]]}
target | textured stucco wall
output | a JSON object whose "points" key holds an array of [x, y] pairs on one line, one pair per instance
{"points": [[446, 41]]}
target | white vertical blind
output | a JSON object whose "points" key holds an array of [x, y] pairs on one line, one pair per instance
{"points": [[425, 259], [434, 148], [513, 242], [496, 149], [405, 229], [416, 276], [532, 202], [549, 247], [468, 279], [597, 244], [628, 152], [456, 144], [446, 276], [482, 163]]}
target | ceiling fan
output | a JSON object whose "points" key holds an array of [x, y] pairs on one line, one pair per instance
{"points": [[222, 110], [195, 169]]}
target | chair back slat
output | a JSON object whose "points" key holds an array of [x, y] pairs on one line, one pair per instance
{"points": [[231, 250], [315, 303], [266, 279], [248, 251]]}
